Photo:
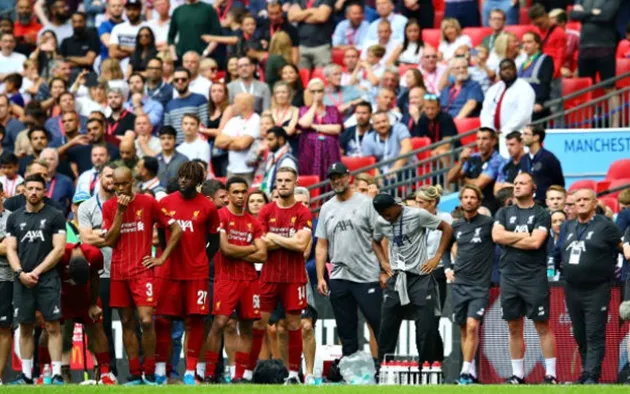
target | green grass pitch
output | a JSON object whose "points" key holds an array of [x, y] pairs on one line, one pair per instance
{"points": [[254, 389]]}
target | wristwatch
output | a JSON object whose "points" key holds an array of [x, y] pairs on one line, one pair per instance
{"points": [[18, 272]]}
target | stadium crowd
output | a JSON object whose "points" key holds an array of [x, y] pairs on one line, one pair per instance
{"points": [[152, 153]]}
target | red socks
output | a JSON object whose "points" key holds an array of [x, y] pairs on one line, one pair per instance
{"points": [[134, 367], [163, 339], [103, 362], [211, 363], [295, 350], [241, 360], [257, 341], [195, 341], [149, 365]]}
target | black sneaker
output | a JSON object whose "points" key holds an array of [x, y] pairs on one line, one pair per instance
{"points": [[65, 373], [210, 380], [550, 380], [291, 381], [240, 381], [58, 380], [515, 380], [21, 380], [582, 378], [475, 380]]}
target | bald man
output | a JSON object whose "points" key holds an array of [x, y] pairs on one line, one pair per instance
{"points": [[238, 135], [145, 142], [198, 83], [60, 186], [128, 221], [128, 155]]}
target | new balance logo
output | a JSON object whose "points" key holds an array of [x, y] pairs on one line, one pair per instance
{"points": [[481, 311], [56, 310], [3, 318]]}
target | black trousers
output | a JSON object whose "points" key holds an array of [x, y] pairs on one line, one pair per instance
{"points": [[588, 309], [434, 345], [345, 297], [107, 323]]}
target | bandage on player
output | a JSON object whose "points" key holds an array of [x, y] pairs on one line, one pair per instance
{"points": [[236, 281], [128, 220], [287, 226]]}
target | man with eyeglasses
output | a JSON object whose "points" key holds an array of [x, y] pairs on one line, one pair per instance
{"points": [[432, 72], [187, 102], [156, 88], [247, 84], [496, 21]]}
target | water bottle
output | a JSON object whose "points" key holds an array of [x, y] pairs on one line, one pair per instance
{"points": [[404, 373], [414, 373], [391, 374], [551, 269], [318, 377], [426, 370], [47, 379], [436, 373]]}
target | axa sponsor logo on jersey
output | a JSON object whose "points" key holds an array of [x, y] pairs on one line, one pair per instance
{"points": [[32, 236]]}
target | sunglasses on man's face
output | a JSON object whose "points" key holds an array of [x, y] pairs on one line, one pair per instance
{"points": [[180, 79]]}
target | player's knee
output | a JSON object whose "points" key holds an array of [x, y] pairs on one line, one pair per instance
{"points": [[26, 330], [515, 328], [146, 322], [230, 327], [472, 327], [53, 328], [542, 328], [5, 332], [307, 328]]}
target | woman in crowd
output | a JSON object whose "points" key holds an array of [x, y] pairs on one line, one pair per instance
{"points": [[232, 69], [506, 46], [452, 38], [279, 56], [168, 66], [46, 53], [209, 69], [291, 74], [113, 75], [218, 106], [283, 113], [57, 86], [412, 48], [412, 78], [145, 51], [320, 127]]}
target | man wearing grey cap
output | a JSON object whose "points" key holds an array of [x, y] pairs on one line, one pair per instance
{"points": [[410, 292], [344, 232]]}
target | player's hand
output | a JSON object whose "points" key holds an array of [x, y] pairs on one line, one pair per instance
{"points": [[150, 262], [95, 313], [430, 265], [383, 278], [322, 287], [123, 202], [28, 279], [450, 276]]}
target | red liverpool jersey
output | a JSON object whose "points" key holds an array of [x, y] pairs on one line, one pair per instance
{"points": [[283, 265], [241, 230], [77, 296], [136, 235], [197, 217]]}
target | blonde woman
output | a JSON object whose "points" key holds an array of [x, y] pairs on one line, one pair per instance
{"points": [[506, 46], [209, 68], [168, 66], [280, 54], [112, 74], [283, 113], [452, 38]]}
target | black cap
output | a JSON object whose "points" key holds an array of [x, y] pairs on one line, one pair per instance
{"points": [[337, 168], [383, 201], [133, 3]]}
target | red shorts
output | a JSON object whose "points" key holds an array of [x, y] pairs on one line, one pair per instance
{"points": [[79, 313], [181, 298], [128, 293], [242, 296], [292, 296]]}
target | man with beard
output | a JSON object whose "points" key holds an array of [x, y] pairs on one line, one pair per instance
{"points": [[56, 125], [141, 104], [60, 187], [115, 13], [508, 104], [88, 180], [79, 147], [122, 41], [120, 119], [128, 157], [90, 224], [82, 47], [156, 88], [470, 275], [463, 98], [352, 137], [187, 102], [185, 293], [279, 156], [26, 25], [344, 232], [39, 138], [146, 174], [58, 22]]}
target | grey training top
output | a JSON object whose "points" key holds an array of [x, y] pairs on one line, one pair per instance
{"points": [[475, 250], [6, 273], [91, 215], [348, 226]]}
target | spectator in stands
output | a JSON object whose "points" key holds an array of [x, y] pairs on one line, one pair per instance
{"points": [[496, 21], [291, 75], [120, 119], [190, 22], [219, 112], [146, 174], [12, 85], [279, 156], [512, 167], [538, 71], [434, 123], [386, 101], [160, 24], [209, 69], [193, 146], [122, 41], [198, 83], [146, 143], [10, 178], [412, 78], [508, 104], [113, 75], [12, 126], [88, 180], [144, 51], [284, 114], [156, 88], [79, 149], [432, 71], [508, 8], [559, 18], [342, 97], [60, 187], [397, 22], [169, 158], [26, 24], [128, 155], [38, 138], [478, 65], [34, 117], [463, 98], [480, 169], [320, 126], [411, 49], [623, 218], [364, 183], [541, 163], [275, 22], [412, 110], [96, 100], [556, 197], [387, 142], [315, 27], [238, 135], [384, 39], [141, 104], [553, 40], [187, 102], [452, 38], [351, 32], [114, 13], [352, 137], [83, 46], [506, 46], [10, 61], [371, 69], [279, 55], [70, 121], [59, 18], [350, 65], [247, 84]]}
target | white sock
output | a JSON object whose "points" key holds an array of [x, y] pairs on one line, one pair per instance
{"points": [[473, 369], [201, 369], [517, 368], [189, 372], [27, 368], [160, 369], [56, 368], [293, 374], [465, 368], [232, 371], [550, 367], [249, 375]]}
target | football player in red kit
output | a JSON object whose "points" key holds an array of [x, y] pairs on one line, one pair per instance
{"points": [[185, 292], [128, 220], [287, 226], [236, 281]]}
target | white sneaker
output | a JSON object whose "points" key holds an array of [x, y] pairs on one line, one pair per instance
{"points": [[309, 380]]}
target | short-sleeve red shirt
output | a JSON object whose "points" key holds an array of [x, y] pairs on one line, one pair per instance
{"points": [[241, 230]]}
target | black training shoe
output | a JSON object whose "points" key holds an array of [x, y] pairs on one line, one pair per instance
{"points": [[210, 380], [22, 380], [550, 380], [515, 380], [240, 381]]}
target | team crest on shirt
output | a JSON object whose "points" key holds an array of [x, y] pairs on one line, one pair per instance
{"points": [[477, 236], [512, 219], [168, 213], [272, 220], [22, 225], [139, 213], [459, 234], [293, 219], [249, 226], [218, 304], [42, 223], [231, 224], [530, 219], [196, 215], [589, 235]]}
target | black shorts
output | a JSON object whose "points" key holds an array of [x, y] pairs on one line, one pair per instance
{"points": [[468, 301], [44, 297], [604, 65], [525, 297], [278, 314], [6, 304], [420, 289]]}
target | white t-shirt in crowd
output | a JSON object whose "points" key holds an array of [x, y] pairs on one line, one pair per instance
{"points": [[198, 149], [200, 85], [154, 145], [14, 63], [124, 34], [238, 127], [159, 31], [448, 49]]}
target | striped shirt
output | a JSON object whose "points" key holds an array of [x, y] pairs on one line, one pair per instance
{"points": [[176, 108], [241, 230]]}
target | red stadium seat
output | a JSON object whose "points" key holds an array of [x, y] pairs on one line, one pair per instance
{"points": [[417, 143], [523, 17], [623, 67], [467, 124], [623, 49], [308, 180], [318, 73], [519, 30], [619, 169], [477, 34], [305, 76], [602, 186], [616, 183], [583, 184], [432, 37], [579, 118], [357, 163], [611, 202], [337, 56], [438, 17], [438, 5]]}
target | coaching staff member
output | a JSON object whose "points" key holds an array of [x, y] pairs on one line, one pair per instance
{"points": [[6, 291], [36, 238], [589, 258], [522, 230], [410, 293], [344, 232]]}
